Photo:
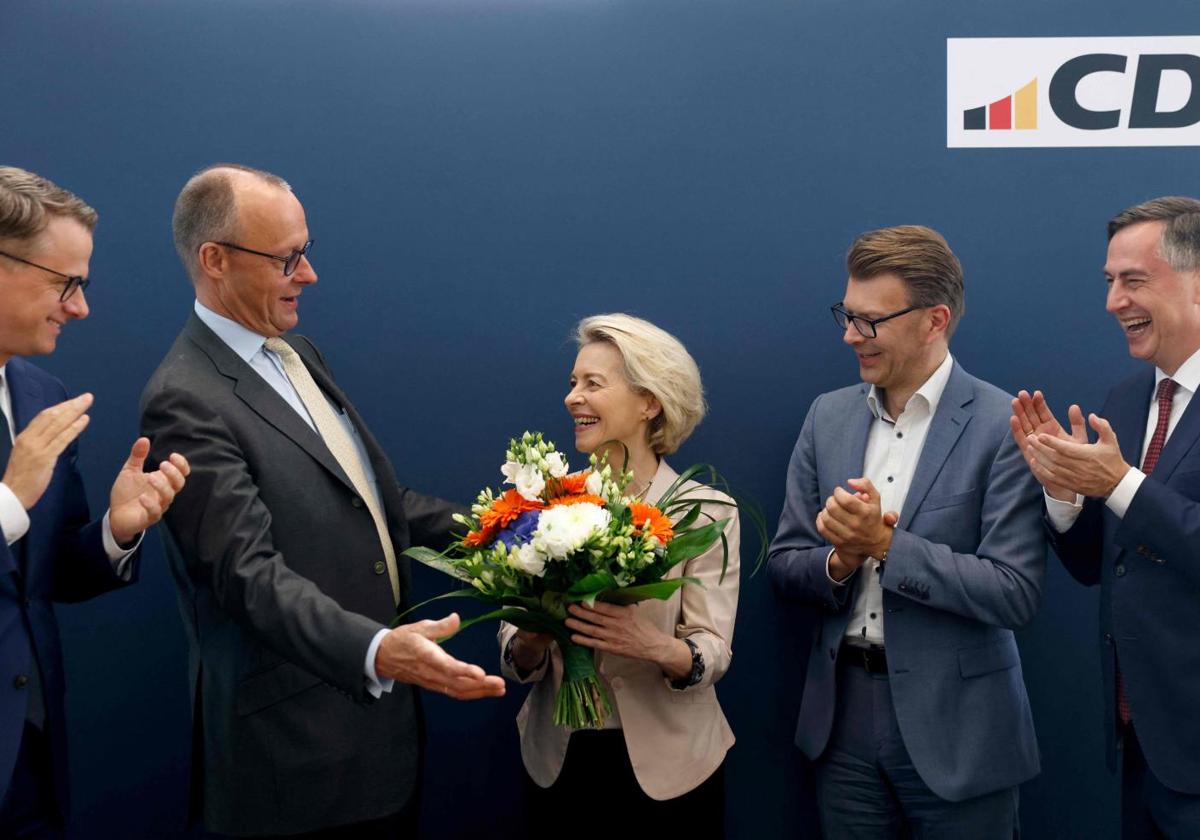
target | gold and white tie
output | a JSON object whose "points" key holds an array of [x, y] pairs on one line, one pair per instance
{"points": [[340, 445]]}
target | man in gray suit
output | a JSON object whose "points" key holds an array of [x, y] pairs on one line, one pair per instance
{"points": [[287, 546], [912, 520]]}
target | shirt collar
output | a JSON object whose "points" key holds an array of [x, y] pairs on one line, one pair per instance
{"points": [[245, 343], [930, 392], [1187, 377]]}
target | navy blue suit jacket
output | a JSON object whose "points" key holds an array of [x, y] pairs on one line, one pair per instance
{"points": [[61, 558], [1148, 567], [965, 567]]}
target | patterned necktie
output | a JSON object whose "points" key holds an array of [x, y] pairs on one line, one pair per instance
{"points": [[1165, 396], [340, 446]]}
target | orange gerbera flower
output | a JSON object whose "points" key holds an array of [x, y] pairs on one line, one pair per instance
{"points": [[578, 499], [506, 509], [651, 521], [482, 537], [569, 485]]}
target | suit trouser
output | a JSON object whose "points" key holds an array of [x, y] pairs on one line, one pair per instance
{"points": [[1149, 809], [868, 789], [29, 809]]}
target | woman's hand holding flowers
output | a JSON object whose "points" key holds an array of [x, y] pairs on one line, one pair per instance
{"points": [[626, 632]]}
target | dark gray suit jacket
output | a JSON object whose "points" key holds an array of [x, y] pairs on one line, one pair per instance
{"points": [[965, 568], [282, 586]]}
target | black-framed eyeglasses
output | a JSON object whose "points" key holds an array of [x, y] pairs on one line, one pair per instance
{"points": [[289, 262], [73, 281], [865, 326]]}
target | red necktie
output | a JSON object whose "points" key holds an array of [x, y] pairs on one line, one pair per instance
{"points": [[1165, 395]]}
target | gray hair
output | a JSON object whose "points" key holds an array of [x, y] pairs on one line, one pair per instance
{"points": [[1180, 242], [656, 363], [29, 201], [206, 210]]}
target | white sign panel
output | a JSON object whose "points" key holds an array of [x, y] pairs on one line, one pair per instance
{"points": [[1009, 92]]}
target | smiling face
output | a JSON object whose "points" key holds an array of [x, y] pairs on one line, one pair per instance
{"points": [[1157, 307], [31, 315], [906, 349], [249, 288], [604, 405]]}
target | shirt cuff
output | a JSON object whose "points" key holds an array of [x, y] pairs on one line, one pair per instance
{"points": [[14, 520], [1122, 495], [119, 557], [1062, 514], [376, 686], [844, 580]]}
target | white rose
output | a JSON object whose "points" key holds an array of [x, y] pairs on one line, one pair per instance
{"points": [[564, 529], [529, 561], [594, 484], [556, 465]]}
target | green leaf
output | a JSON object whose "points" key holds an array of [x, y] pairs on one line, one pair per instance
{"points": [[694, 542], [436, 560], [661, 590], [591, 584], [534, 622]]}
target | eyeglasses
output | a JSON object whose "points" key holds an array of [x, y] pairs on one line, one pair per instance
{"points": [[73, 281], [865, 326], [289, 262]]}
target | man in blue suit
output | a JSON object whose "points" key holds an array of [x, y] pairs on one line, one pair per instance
{"points": [[51, 551], [911, 519], [1124, 512]]}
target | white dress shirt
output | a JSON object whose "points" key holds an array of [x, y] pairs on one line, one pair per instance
{"points": [[1063, 514], [893, 450], [14, 520], [248, 345]]}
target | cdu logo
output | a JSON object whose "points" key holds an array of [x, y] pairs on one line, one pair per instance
{"points": [[1004, 92]]}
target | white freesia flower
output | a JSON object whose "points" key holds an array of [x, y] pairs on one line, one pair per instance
{"points": [[527, 477], [556, 465], [564, 529], [529, 561], [594, 484]]}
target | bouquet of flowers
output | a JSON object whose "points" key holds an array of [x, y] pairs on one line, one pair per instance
{"points": [[556, 538]]}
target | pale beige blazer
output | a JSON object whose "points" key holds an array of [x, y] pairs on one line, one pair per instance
{"points": [[676, 738]]}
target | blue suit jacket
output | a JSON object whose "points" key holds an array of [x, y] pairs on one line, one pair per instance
{"points": [[965, 567], [1148, 568], [61, 558]]}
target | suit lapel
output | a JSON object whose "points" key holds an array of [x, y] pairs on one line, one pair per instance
{"points": [[948, 423], [858, 432], [261, 398], [27, 396], [1127, 416]]}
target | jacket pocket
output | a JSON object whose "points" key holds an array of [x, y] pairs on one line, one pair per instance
{"points": [[939, 502], [976, 661], [270, 687]]}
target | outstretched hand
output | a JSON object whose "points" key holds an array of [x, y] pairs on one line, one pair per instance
{"points": [[410, 653], [139, 499]]}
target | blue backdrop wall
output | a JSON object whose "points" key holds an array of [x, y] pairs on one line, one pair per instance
{"points": [[479, 174]]}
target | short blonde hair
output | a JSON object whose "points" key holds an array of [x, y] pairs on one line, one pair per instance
{"points": [[656, 363], [29, 201]]}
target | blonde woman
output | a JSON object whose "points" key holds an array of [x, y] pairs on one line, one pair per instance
{"points": [[635, 389]]}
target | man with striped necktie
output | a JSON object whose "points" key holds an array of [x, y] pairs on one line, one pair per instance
{"points": [[1124, 513]]}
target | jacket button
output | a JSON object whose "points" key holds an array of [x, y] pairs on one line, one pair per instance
{"points": [[21, 681], [903, 587], [380, 567], [1108, 638], [357, 502], [618, 683], [1120, 570]]}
